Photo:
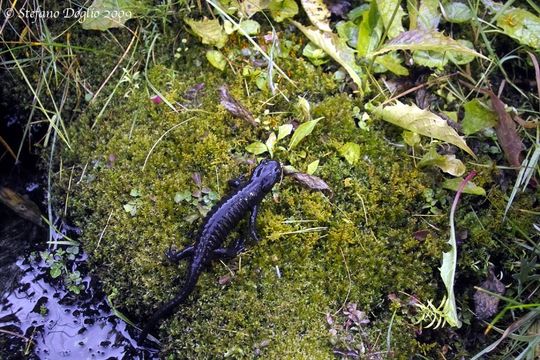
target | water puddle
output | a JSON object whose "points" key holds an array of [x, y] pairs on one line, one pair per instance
{"points": [[40, 319]]}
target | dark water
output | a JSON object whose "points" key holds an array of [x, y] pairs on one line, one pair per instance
{"points": [[40, 319]]}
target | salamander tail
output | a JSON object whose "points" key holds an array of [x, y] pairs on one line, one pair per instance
{"points": [[167, 309]]}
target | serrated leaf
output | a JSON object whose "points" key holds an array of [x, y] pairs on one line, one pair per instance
{"points": [[216, 59], [318, 13], [284, 131], [423, 122], [447, 163], [470, 187], [301, 132], [477, 116], [427, 41], [457, 12], [521, 25], [210, 31], [336, 48], [351, 152], [312, 167], [283, 9], [392, 15], [256, 148], [106, 14]]}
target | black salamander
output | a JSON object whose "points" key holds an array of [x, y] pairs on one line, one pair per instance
{"points": [[220, 221]]}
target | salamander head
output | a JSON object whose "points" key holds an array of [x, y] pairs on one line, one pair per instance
{"points": [[267, 173]]}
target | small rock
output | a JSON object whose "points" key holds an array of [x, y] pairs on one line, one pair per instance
{"points": [[486, 305]]}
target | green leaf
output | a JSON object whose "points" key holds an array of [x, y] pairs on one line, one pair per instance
{"points": [[106, 14], [229, 6], [351, 152], [461, 58], [318, 13], [336, 48], [251, 27], [216, 59], [256, 148], [457, 12], [370, 31], [304, 107], [348, 31], [392, 15], [283, 9], [431, 59], [270, 142], [449, 264], [312, 167], [427, 41], [182, 196], [301, 132], [284, 131], [423, 122], [411, 138], [428, 15], [447, 163], [130, 208], [56, 270], [392, 62], [210, 31], [477, 117], [522, 26], [135, 193], [315, 54], [470, 187]]}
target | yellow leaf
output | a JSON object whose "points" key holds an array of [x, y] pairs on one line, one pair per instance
{"points": [[422, 122]]}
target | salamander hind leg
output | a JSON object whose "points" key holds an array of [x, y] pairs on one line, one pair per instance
{"points": [[175, 256], [230, 252]]}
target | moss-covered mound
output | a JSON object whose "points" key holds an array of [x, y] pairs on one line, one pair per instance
{"points": [[139, 167]]}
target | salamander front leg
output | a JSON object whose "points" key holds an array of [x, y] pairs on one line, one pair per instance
{"points": [[175, 256], [235, 183], [252, 224]]}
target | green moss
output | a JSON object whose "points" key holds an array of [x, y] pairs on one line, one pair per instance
{"points": [[357, 246]]}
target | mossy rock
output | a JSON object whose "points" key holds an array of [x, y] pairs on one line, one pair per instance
{"points": [[316, 252]]}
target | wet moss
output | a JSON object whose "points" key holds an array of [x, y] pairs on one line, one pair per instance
{"points": [[316, 253]]}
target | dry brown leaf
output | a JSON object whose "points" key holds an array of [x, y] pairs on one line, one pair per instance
{"points": [[507, 132], [310, 181], [234, 107]]}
